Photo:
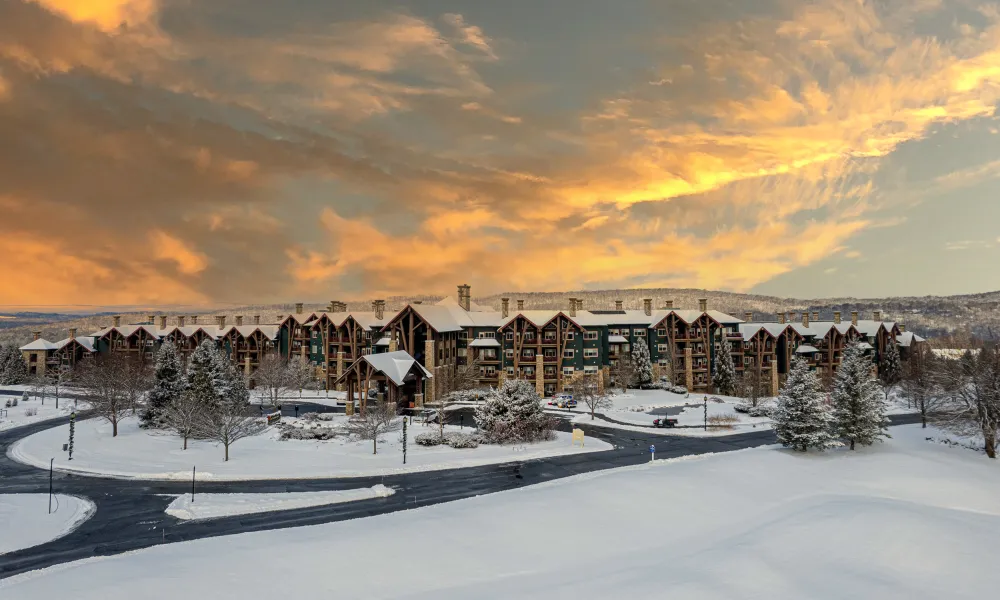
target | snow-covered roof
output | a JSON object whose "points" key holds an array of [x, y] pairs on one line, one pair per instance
{"points": [[484, 343], [268, 331], [806, 349], [908, 338], [43, 344], [383, 342], [394, 365], [617, 339], [866, 346], [748, 330], [40, 344]]}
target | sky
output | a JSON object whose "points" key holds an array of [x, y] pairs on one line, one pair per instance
{"points": [[252, 151]]}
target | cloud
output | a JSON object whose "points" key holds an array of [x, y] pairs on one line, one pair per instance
{"points": [[167, 247], [105, 14]]}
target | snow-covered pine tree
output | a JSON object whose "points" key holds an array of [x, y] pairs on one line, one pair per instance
{"points": [[801, 418], [890, 371], [724, 375], [859, 405], [168, 384], [513, 413], [642, 363], [207, 377], [13, 370]]}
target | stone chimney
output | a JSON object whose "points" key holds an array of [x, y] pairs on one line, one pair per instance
{"points": [[117, 320], [902, 326], [379, 309], [298, 308], [836, 317], [748, 317], [239, 320], [703, 304], [792, 315], [36, 335], [815, 315], [152, 319], [194, 319], [72, 333], [180, 321], [877, 315], [805, 318], [668, 305], [619, 305], [781, 317], [163, 321], [854, 318], [572, 307], [465, 297], [281, 318], [221, 320], [647, 306], [504, 307], [520, 305], [579, 304]]}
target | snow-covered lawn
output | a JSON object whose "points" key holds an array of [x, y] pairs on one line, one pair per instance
{"points": [[26, 521], [33, 411], [137, 453], [210, 506], [907, 519]]}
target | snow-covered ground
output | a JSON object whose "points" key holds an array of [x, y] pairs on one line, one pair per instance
{"points": [[26, 521], [33, 411], [210, 506], [291, 397], [137, 453], [906, 519]]}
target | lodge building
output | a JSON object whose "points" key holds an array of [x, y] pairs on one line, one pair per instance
{"points": [[551, 348]]}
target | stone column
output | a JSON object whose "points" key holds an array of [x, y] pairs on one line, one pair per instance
{"points": [[688, 370], [774, 379], [340, 370], [418, 400], [540, 374], [393, 344], [430, 356], [246, 365]]}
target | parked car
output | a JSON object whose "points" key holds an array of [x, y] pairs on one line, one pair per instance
{"points": [[566, 403], [561, 397], [663, 422]]}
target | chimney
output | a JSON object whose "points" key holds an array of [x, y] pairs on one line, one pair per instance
{"points": [[194, 319], [36, 335], [572, 307], [618, 304], [579, 304], [703, 304], [379, 309], [117, 319], [805, 318], [668, 304], [163, 321], [180, 321], [902, 326], [791, 316], [72, 333], [298, 308], [239, 320], [854, 318], [815, 316], [877, 315], [781, 317], [836, 317], [465, 297], [647, 306], [256, 319], [280, 318], [221, 320], [152, 319], [504, 307], [520, 305], [748, 317]]}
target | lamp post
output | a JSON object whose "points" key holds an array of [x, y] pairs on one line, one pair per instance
{"points": [[72, 430]]}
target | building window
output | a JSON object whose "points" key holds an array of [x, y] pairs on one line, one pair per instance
{"points": [[509, 336], [510, 371], [662, 348], [529, 335], [590, 335], [590, 369], [489, 371], [590, 353], [483, 335], [568, 371], [615, 331], [663, 362], [568, 353], [640, 332], [463, 335], [662, 332], [569, 336], [463, 352]]}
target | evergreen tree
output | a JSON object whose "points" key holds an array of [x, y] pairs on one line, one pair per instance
{"points": [[168, 384], [859, 406], [801, 418], [724, 375], [13, 370], [207, 375], [513, 413], [890, 371], [642, 363]]}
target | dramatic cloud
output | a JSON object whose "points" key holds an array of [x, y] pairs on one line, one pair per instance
{"points": [[231, 151]]}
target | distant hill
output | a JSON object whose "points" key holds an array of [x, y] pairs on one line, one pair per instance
{"points": [[931, 316]]}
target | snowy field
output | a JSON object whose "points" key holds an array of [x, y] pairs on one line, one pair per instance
{"points": [[906, 519], [211, 506], [137, 453], [26, 521], [33, 411]]}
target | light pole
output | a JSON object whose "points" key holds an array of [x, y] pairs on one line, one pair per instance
{"points": [[72, 430]]}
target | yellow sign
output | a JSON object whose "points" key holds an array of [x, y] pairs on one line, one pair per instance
{"points": [[578, 435]]}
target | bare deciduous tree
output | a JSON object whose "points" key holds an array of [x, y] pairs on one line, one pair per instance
{"points": [[971, 401], [271, 378], [586, 391], [230, 420], [183, 414], [380, 418], [623, 372], [105, 381], [301, 374], [752, 387], [919, 383]]}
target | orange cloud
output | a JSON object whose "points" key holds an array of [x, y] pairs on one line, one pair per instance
{"points": [[105, 14], [169, 248]]}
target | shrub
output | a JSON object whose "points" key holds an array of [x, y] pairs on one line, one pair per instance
{"points": [[723, 421], [30, 412], [428, 439], [310, 433], [461, 440], [314, 416]]}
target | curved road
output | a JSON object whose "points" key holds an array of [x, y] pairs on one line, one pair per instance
{"points": [[130, 515]]}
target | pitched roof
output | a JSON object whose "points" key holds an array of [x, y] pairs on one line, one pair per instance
{"points": [[484, 343], [40, 344], [394, 365], [908, 338], [617, 339], [806, 349]]}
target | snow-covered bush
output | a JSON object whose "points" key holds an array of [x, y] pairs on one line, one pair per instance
{"points": [[461, 440], [30, 412], [513, 413], [312, 433], [428, 439], [761, 410], [314, 416], [666, 385]]}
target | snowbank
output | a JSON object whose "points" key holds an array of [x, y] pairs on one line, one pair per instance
{"points": [[210, 506], [141, 454], [904, 519], [33, 411], [26, 520]]}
